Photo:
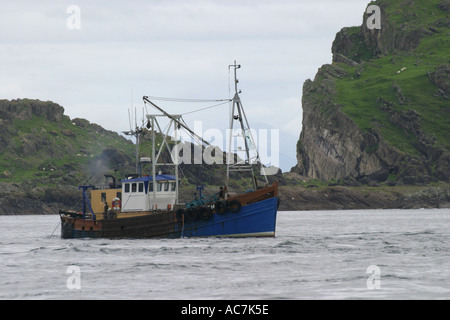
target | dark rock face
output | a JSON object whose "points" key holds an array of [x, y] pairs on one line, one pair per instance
{"points": [[17, 199], [24, 109], [441, 79], [350, 197], [445, 5], [331, 145]]}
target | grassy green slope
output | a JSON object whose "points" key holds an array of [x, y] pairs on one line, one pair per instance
{"points": [[46, 152], [361, 92]]}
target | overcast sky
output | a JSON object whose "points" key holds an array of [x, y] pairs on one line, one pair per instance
{"points": [[124, 50]]}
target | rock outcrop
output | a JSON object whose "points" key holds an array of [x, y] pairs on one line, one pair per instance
{"points": [[349, 198], [338, 143], [331, 145], [25, 109]]}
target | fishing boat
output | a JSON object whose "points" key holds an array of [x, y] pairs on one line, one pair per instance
{"points": [[146, 205]]}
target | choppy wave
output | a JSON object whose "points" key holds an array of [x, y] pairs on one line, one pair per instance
{"points": [[315, 255]]}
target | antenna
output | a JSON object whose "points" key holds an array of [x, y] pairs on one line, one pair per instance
{"points": [[136, 131], [246, 135], [129, 120]]}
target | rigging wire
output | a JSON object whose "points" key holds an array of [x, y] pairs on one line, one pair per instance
{"points": [[222, 102], [186, 100], [210, 107]]}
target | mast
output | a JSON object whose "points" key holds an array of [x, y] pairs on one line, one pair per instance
{"points": [[251, 155], [153, 119], [245, 164]]}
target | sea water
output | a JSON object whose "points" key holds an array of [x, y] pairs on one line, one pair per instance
{"points": [[360, 254]]}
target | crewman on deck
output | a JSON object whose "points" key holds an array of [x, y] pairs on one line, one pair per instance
{"points": [[105, 210], [221, 194]]}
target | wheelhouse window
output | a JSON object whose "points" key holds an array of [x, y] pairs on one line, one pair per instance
{"points": [[133, 187], [166, 186], [174, 186], [159, 186]]}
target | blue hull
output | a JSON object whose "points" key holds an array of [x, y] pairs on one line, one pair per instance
{"points": [[253, 220]]}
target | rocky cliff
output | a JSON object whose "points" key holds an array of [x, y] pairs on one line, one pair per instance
{"points": [[380, 112]]}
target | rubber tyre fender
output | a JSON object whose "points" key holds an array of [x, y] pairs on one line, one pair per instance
{"points": [[221, 207], [205, 213], [234, 206], [192, 214]]}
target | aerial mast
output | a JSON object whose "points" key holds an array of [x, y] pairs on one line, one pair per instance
{"points": [[238, 114], [136, 133]]}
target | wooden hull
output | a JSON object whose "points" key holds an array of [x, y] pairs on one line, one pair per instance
{"points": [[256, 217]]}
